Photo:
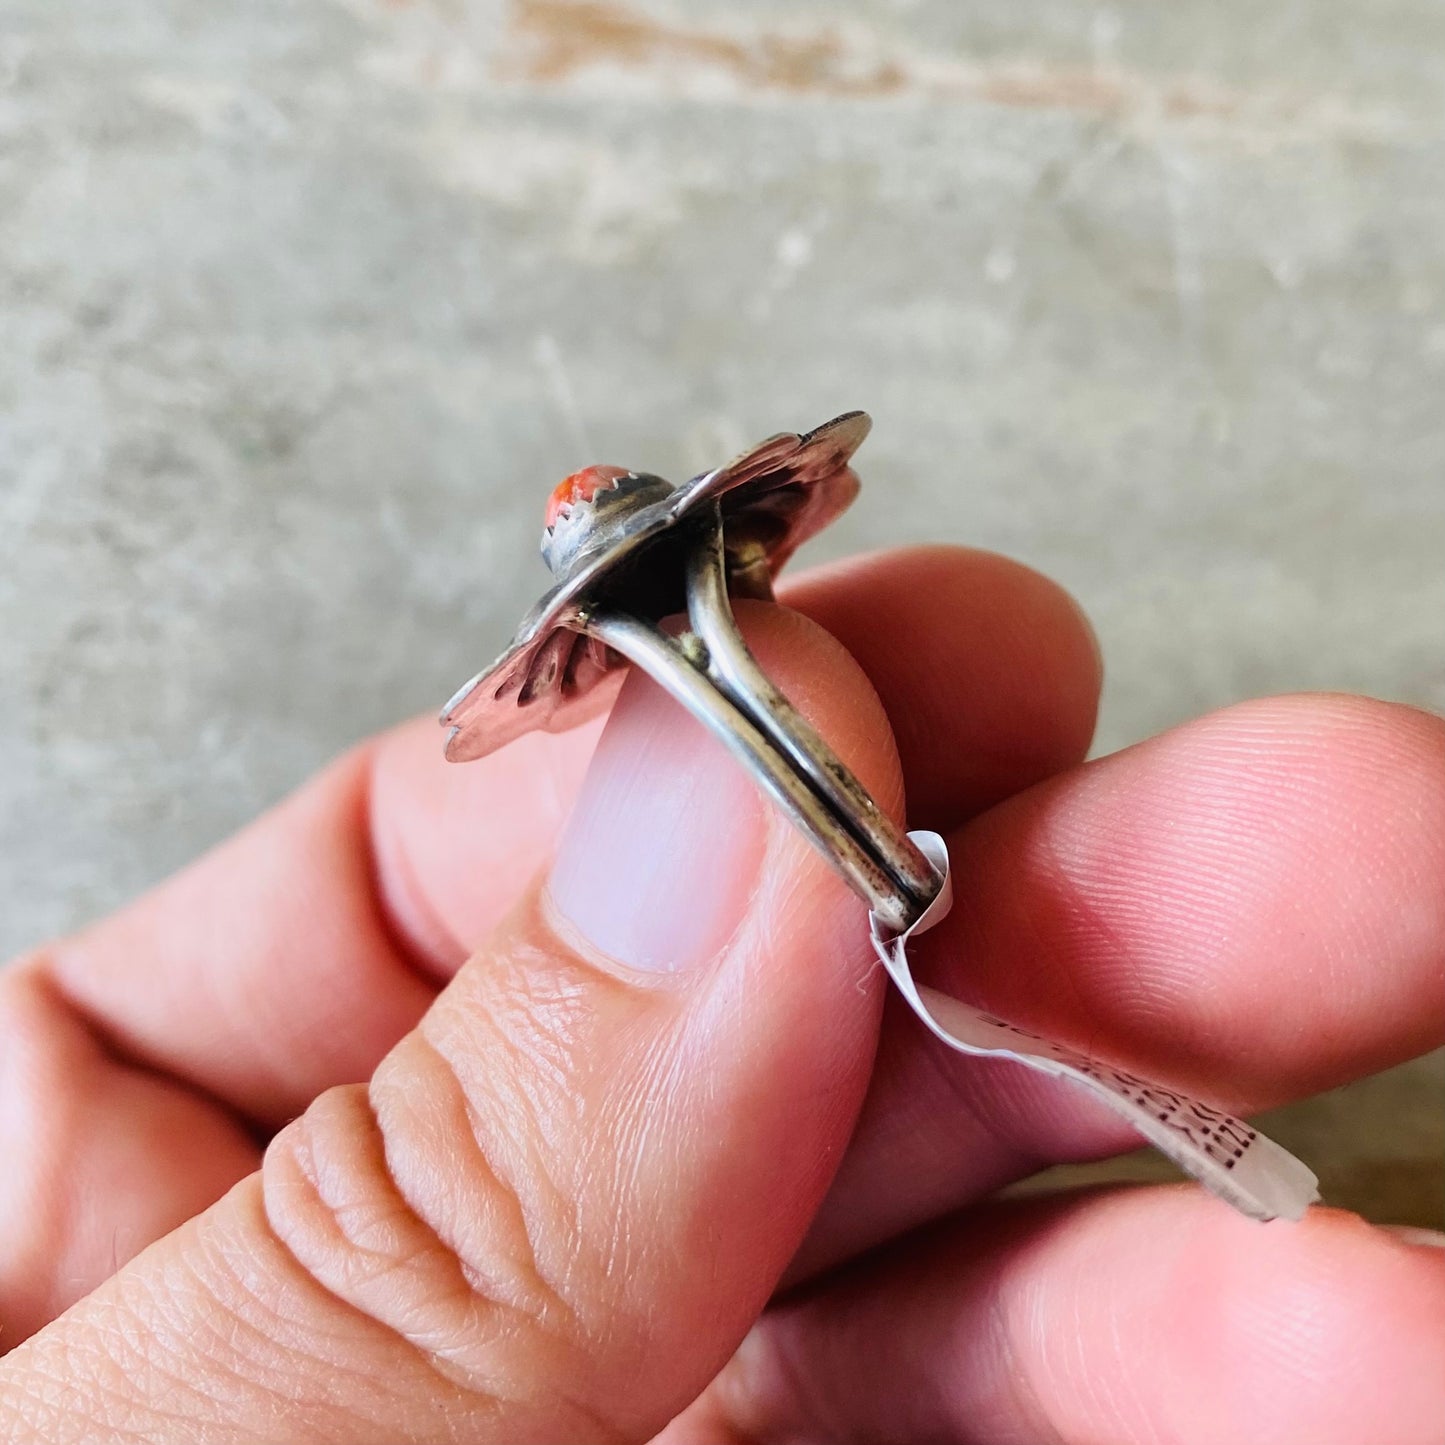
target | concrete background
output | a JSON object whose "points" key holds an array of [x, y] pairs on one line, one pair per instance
{"points": [[303, 302]]}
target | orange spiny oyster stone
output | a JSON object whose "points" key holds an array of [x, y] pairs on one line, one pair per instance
{"points": [[580, 487]]}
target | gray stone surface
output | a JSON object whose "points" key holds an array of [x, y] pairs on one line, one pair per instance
{"points": [[301, 302]]}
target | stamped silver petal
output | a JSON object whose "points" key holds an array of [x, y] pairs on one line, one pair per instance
{"points": [[764, 458], [786, 489], [552, 684], [785, 459], [510, 698]]}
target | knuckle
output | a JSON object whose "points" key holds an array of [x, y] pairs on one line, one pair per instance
{"points": [[76, 1119], [424, 1201]]}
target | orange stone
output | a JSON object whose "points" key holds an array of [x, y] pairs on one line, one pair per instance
{"points": [[581, 486]]}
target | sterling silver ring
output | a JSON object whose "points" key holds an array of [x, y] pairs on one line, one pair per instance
{"points": [[628, 549]]}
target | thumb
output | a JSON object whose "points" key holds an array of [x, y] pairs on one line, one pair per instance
{"points": [[562, 1199]]}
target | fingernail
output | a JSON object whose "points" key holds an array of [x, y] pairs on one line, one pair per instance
{"points": [[1413, 1234], [663, 848]]}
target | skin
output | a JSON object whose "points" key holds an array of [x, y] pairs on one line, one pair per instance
{"points": [[353, 1132]]}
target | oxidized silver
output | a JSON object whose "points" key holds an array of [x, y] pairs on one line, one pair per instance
{"points": [[627, 549]]}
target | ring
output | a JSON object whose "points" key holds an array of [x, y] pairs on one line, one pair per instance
{"points": [[628, 549]]}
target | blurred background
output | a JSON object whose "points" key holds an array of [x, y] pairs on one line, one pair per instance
{"points": [[304, 304]]}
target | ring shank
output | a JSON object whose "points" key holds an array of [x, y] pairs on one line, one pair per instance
{"points": [[722, 686]]}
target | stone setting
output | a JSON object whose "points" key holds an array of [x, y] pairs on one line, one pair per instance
{"points": [[581, 487]]}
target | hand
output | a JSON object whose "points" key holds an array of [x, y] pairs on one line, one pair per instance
{"points": [[616, 1080]]}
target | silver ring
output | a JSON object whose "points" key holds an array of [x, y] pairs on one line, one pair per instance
{"points": [[628, 550]]}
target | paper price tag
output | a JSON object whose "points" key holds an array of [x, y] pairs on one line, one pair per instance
{"points": [[1225, 1154]]}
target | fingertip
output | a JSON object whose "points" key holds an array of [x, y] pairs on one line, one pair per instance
{"points": [[1326, 1331], [1252, 897], [990, 671], [1187, 1321]]}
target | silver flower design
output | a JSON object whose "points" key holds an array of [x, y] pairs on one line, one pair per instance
{"points": [[614, 538]]}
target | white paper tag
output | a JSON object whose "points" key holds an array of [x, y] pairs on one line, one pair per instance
{"points": [[1234, 1161]]}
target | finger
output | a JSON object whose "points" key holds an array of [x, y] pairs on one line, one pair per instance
{"points": [[563, 1197], [990, 673], [291, 958], [294, 956], [100, 1158], [1133, 1316], [1247, 908]]}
